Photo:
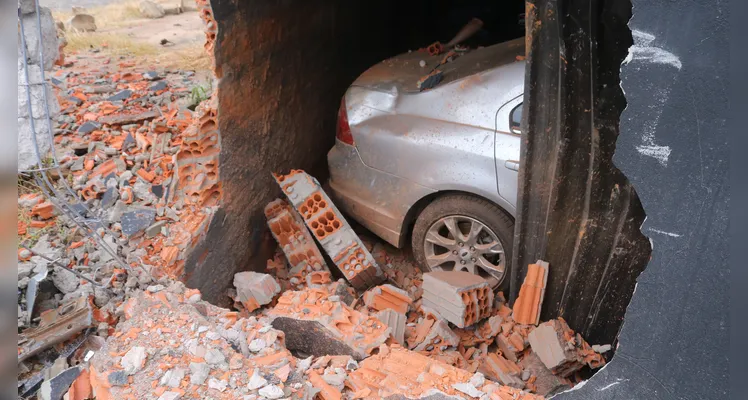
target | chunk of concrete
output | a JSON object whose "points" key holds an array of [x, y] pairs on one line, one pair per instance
{"points": [[396, 321], [134, 360], [255, 289], [137, 220]]}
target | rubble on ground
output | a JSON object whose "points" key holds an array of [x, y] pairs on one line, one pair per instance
{"points": [[366, 325]]}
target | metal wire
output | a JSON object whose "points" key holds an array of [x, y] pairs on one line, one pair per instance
{"points": [[41, 178]]}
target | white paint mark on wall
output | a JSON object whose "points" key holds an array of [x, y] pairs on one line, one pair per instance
{"points": [[606, 387], [644, 51], [671, 234]]}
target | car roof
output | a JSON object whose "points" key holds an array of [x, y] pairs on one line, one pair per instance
{"points": [[402, 72]]}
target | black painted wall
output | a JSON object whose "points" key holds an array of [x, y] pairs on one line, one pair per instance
{"points": [[675, 338]]}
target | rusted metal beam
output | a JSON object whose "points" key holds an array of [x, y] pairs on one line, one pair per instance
{"points": [[55, 326]]}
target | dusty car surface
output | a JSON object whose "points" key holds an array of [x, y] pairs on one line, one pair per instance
{"points": [[436, 167]]}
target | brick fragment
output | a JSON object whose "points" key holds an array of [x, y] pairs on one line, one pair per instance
{"points": [[255, 289], [439, 338], [526, 309], [332, 231], [501, 370], [388, 297], [320, 327], [459, 296], [45, 210], [327, 391]]}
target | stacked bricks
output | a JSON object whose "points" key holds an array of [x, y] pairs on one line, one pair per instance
{"points": [[329, 227], [460, 297], [530, 300], [287, 227]]}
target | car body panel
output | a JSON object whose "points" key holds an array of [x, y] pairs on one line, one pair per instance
{"points": [[375, 199], [410, 144]]}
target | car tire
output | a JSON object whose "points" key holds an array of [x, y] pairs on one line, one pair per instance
{"points": [[490, 215]]}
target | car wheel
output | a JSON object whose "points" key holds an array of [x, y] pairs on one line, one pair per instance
{"points": [[461, 232]]}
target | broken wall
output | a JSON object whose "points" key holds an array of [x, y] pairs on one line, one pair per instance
{"points": [[283, 67], [673, 148]]}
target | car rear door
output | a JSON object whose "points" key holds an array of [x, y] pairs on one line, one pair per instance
{"points": [[507, 148]]}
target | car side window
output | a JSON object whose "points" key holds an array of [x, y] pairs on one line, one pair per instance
{"points": [[515, 119]]}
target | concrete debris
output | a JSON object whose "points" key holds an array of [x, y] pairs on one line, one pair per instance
{"points": [[133, 360], [562, 351], [542, 381], [396, 321], [530, 300], [329, 227], [255, 289], [319, 327], [501, 370], [459, 296]]}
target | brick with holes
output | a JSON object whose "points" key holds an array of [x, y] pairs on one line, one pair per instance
{"points": [[332, 231], [460, 297]]}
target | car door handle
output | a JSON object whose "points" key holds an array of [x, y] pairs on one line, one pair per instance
{"points": [[513, 165]]}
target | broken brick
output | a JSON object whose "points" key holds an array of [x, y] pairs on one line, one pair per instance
{"points": [[332, 231], [255, 289], [318, 326], [498, 368], [396, 321], [526, 309], [388, 297], [44, 210], [459, 296]]}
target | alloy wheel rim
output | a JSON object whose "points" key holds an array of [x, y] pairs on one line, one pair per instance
{"points": [[462, 243]]}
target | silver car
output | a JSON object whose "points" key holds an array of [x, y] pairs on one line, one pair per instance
{"points": [[436, 167]]}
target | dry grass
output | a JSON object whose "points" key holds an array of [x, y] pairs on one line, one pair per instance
{"points": [[116, 44], [110, 15], [191, 58]]}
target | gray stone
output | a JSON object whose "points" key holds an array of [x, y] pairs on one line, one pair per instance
{"points": [[170, 396], [110, 198], [149, 9], [81, 23], [155, 288], [256, 381], [155, 229], [24, 269], [214, 356], [66, 282], [216, 384], [88, 127], [173, 377], [133, 360], [117, 378], [151, 76], [199, 373], [116, 212], [137, 220], [161, 85], [271, 392], [121, 95]]}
